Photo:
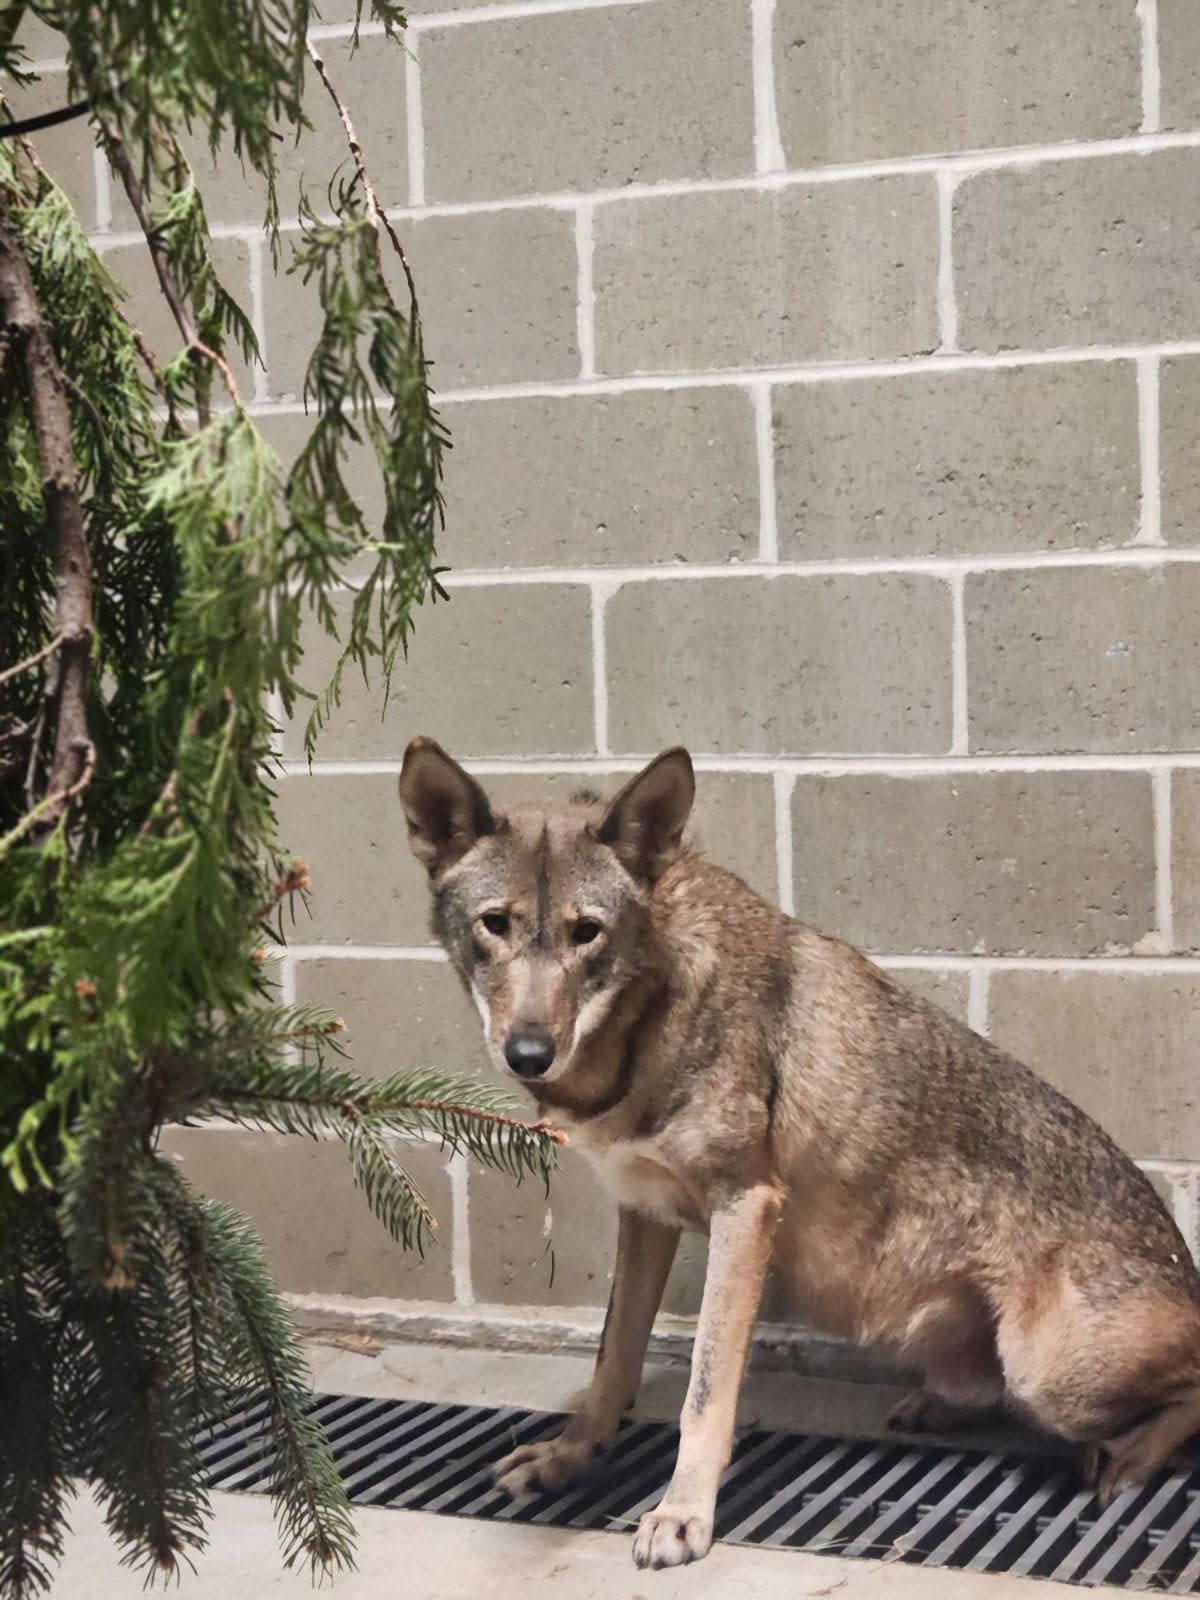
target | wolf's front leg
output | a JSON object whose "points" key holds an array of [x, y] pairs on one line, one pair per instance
{"points": [[739, 1252], [645, 1251]]}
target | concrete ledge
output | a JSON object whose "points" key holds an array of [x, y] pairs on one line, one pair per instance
{"points": [[778, 1347]]}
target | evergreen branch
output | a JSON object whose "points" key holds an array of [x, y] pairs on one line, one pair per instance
{"points": [[10, 22], [50, 416], [32, 1455], [310, 1499], [140, 1450], [390, 1191], [293, 881], [450, 1108], [379, 217], [32, 661]]}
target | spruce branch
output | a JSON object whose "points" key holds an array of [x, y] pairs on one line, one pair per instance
{"points": [[390, 1192], [310, 1500]]}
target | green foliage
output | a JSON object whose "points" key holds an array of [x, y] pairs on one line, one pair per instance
{"points": [[135, 902]]}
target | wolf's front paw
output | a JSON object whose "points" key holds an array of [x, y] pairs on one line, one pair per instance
{"points": [[551, 1465], [672, 1536]]}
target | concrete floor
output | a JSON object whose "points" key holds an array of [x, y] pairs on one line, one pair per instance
{"points": [[408, 1555]]}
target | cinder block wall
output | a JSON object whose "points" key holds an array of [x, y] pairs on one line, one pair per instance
{"points": [[823, 382]]}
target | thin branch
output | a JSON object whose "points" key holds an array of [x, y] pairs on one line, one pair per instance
{"points": [[50, 809], [35, 748], [45, 119], [136, 194], [16, 730], [62, 492], [379, 217], [167, 281], [31, 661], [143, 347]]}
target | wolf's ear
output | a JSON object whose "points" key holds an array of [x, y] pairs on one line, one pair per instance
{"points": [[644, 823], [445, 808]]}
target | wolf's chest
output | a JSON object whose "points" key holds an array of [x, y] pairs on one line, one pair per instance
{"points": [[640, 1174]]}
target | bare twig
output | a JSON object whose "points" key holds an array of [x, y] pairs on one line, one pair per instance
{"points": [[16, 730], [136, 194], [31, 661], [45, 119], [50, 810], [50, 416], [143, 348], [35, 749], [167, 281], [379, 217]]}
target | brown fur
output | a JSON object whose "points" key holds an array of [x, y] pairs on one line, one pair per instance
{"points": [[917, 1188]]}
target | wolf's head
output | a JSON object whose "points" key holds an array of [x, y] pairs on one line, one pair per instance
{"points": [[545, 912]]}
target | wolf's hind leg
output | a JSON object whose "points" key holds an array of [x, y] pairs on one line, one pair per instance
{"points": [[953, 1339], [1132, 1458], [924, 1411]]}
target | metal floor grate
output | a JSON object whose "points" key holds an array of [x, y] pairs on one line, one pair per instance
{"points": [[924, 1504]]}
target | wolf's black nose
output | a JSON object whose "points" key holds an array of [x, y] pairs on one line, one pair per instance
{"points": [[529, 1051]]}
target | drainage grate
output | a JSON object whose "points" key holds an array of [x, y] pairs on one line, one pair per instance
{"points": [[924, 1504]]}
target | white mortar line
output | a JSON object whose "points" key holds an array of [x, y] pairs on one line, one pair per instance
{"points": [[963, 165], [797, 372], [947, 306], [102, 178], [960, 734], [258, 316], [934, 960], [415, 123], [977, 999], [768, 148], [1147, 11], [764, 439], [585, 302], [360, 952], [460, 1236], [783, 784], [1164, 912], [817, 765], [1167, 1166], [1150, 506], [468, 14], [852, 567], [600, 597], [1155, 966]]}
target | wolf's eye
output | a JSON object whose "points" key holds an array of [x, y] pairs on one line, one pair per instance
{"points": [[495, 922], [585, 930]]}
